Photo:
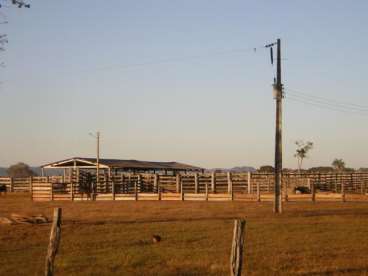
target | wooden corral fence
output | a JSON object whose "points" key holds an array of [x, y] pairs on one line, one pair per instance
{"points": [[197, 186]]}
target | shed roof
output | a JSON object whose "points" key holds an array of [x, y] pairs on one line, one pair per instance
{"points": [[84, 162]]}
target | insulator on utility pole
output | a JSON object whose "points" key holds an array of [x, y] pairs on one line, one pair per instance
{"points": [[271, 55]]}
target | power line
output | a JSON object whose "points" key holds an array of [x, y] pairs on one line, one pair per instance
{"points": [[326, 99], [323, 106], [181, 58], [326, 103]]}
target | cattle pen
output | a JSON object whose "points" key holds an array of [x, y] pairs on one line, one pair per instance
{"points": [[192, 186]]}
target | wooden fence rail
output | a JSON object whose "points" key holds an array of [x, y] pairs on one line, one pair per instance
{"points": [[236, 186]]}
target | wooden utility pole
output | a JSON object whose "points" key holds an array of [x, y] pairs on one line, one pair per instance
{"points": [[278, 136], [277, 87], [97, 136], [98, 160]]}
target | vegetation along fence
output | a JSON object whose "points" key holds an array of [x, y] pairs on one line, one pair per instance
{"points": [[197, 186]]}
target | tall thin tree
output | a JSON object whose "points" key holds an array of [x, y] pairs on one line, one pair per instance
{"points": [[338, 164], [301, 151]]}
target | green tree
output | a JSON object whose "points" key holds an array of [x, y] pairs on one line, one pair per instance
{"points": [[266, 169], [301, 151], [20, 170], [321, 169], [338, 164]]}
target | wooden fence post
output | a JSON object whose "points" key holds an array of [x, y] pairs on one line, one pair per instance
{"points": [[123, 185], [112, 188], [196, 183], [236, 258], [11, 184], [361, 187], [206, 191], [155, 182], [139, 182], [72, 189], [313, 190], [54, 242], [178, 183], [229, 183], [181, 191], [258, 192], [213, 182], [52, 187], [343, 191], [336, 183], [31, 186], [249, 183], [286, 182], [77, 176], [135, 191], [352, 182]]}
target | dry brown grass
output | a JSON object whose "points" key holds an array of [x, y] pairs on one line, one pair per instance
{"points": [[104, 238]]}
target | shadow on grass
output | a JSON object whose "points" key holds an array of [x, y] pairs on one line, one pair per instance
{"points": [[360, 271], [334, 212]]}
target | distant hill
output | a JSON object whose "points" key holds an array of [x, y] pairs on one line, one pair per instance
{"points": [[234, 169]]}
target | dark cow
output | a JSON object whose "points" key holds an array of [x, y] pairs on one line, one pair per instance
{"points": [[2, 189]]}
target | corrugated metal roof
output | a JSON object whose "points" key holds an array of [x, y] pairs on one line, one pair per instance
{"points": [[125, 164]]}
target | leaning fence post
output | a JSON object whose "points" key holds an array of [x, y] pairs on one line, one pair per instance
{"points": [[206, 191], [55, 236], [236, 258], [343, 191]]}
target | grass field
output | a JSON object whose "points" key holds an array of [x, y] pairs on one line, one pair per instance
{"points": [[104, 238]]}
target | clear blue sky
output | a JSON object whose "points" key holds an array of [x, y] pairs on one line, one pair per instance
{"points": [[70, 70]]}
